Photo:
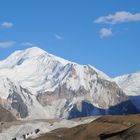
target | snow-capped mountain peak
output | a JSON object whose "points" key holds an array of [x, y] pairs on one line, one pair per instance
{"points": [[36, 68], [130, 83], [42, 82], [31, 53]]}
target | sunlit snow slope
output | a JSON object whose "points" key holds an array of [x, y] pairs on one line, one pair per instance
{"points": [[130, 83], [36, 84]]}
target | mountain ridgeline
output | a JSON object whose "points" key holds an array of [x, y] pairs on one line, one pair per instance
{"points": [[37, 85]]}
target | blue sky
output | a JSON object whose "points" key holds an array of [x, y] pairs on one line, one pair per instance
{"points": [[103, 33]]}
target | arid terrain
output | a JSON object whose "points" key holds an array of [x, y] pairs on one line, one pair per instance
{"points": [[104, 128], [6, 115]]}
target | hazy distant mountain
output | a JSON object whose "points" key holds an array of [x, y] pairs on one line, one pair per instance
{"points": [[36, 84], [130, 83]]}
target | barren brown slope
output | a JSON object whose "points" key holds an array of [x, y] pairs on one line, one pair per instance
{"points": [[5, 115], [104, 128]]}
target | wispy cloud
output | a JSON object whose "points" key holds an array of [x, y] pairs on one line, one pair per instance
{"points": [[27, 44], [104, 32], [7, 44], [118, 17], [7, 25], [59, 37]]}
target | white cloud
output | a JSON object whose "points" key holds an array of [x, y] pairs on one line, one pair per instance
{"points": [[27, 44], [59, 37], [118, 17], [104, 32], [7, 44], [7, 25]]}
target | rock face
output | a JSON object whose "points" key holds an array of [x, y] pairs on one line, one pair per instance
{"points": [[18, 104], [36, 84], [15, 98]]}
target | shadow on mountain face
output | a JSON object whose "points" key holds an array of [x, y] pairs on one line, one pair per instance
{"points": [[88, 109], [135, 100]]}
